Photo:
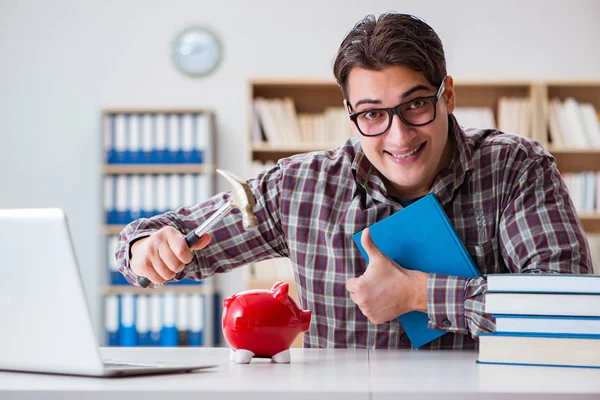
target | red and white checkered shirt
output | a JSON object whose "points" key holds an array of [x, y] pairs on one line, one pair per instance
{"points": [[502, 192]]}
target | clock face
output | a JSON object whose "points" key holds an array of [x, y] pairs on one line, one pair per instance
{"points": [[196, 52]]}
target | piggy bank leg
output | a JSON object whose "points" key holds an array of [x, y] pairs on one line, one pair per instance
{"points": [[241, 356], [282, 357]]}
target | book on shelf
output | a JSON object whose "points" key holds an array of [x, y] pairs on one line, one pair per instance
{"points": [[421, 237], [573, 124], [514, 116], [584, 190], [475, 117], [540, 350], [276, 121]]}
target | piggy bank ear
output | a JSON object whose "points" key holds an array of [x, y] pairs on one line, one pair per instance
{"points": [[280, 291], [228, 301]]}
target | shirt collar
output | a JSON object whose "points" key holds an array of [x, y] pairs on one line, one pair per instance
{"points": [[361, 166], [445, 184]]}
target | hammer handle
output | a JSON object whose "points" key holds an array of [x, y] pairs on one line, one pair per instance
{"points": [[195, 235]]}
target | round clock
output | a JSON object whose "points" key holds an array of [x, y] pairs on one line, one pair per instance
{"points": [[196, 51]]}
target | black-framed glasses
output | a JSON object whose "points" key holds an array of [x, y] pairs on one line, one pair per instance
{"points": [[416, 112]]}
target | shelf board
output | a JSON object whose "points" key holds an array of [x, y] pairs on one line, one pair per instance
{"points": [[165, 110], [309, 96], [130, 289], [266, 152], [112, 229], [576, 160], [302, 147], [567, 150], [115, 169], [590, 222], [325, 82]]}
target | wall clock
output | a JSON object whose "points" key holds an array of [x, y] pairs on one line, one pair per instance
{"points": [[196, 51]]}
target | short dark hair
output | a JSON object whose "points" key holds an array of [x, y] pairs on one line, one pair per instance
{"points": [[392, 39]]}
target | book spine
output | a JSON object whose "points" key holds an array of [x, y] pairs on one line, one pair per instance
{"points": [[469, 261]]}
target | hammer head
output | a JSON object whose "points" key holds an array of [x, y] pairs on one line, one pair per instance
{"points": [[242, 199]]}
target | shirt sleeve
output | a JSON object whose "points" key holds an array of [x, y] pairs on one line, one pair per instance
{"points": [[231, 245], [538, 232]]}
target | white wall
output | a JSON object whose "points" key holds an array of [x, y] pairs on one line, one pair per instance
{"points": [[61, 62]]}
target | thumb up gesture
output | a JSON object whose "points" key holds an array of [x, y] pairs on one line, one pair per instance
{"points": [[386, 290]]}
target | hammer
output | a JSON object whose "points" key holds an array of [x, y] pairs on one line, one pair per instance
{"points": [[241, 198]]}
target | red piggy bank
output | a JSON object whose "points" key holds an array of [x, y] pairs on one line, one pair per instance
{"points": [[263, 323]]}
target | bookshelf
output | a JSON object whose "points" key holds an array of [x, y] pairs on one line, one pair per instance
{"points": [[109, 290], [311, 96], [156, 169], [155, 160]]}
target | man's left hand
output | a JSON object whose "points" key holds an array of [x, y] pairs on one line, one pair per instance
{"points": [[386, 290]]}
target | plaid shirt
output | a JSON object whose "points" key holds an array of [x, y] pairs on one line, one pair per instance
{"points": [[502, 192]]}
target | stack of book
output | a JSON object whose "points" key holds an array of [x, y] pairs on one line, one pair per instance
{"points": [[543, 319]]}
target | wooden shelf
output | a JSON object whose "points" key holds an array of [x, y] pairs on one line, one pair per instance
{"points": [[582, 91], [590, 222], [481, 94], [112, 229], [310, 96], [303, 147], [166, 110], [130, 289], [115, 169], [576, 160], [266, 152], [569, 151]]}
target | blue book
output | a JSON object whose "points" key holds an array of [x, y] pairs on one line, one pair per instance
{"points": [[421, 237]]}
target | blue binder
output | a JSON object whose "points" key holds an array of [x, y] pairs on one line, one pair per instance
{"points": [[127, 330], [197, 316], [111, 320], [421, 237], [168, 332]]}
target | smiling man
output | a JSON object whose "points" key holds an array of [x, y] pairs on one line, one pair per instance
{"points": [[502, 193]]}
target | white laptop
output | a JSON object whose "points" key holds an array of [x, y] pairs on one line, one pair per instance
{"points": [[45, 325]]}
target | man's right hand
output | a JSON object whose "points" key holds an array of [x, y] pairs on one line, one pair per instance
{"points": [[163, 254]]}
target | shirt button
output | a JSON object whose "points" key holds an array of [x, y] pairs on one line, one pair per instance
{"points": [[446, 323], [404, 338]]}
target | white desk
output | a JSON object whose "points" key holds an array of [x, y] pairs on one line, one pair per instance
{"points": [[315, 373]]}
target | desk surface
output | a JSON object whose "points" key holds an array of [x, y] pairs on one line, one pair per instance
{"points": [[314, 373]]}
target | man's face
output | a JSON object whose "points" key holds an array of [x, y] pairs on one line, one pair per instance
{"points": [[409, 174]]}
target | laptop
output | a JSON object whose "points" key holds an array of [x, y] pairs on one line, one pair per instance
{"points": [[44, 317]]}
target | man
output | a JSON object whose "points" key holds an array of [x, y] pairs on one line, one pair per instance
{"points": [[502, 193]]}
